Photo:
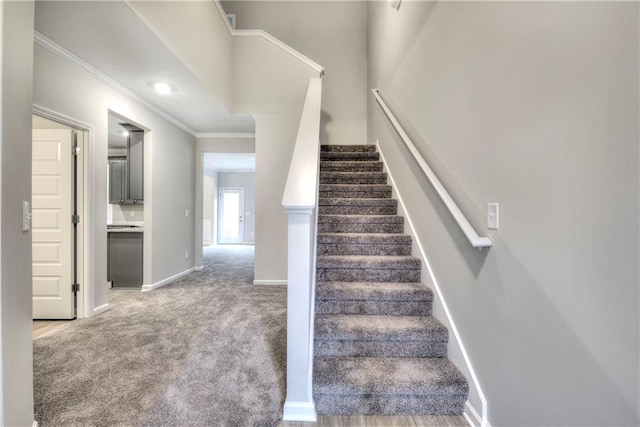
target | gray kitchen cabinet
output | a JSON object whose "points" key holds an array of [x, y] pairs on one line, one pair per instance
{"points": [[117, 180], [126, 174], [136, 166], [124, 259]]}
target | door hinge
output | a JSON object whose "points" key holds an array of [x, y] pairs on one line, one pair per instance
{"points": [[75, 287], [75, 219], [75, 150]]}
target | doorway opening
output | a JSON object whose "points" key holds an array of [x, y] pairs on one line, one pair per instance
{"points": [[228, 214]]}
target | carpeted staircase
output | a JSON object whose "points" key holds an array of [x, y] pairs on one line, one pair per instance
{"points": [[377, 348]]}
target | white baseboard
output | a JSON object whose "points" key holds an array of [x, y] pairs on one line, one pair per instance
{"points": [[299, 411], [198, 268], [101, 309], [161, 283], [473, 418], [270, 282], [35, 423]]}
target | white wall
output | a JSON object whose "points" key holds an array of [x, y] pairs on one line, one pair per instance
{"points": [[275, 139], [333, 34], [16, 351], [64, 88], [209, 206], [246, 181], [189, 29], [533, 105]]}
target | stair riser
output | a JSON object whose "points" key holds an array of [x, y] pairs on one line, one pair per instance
{"points": [[360, 228], [366, 275], [351, 166], [352, 348], [390, 308], [355, 194], [357, 210], [357, 180], [363, 249], [341, 148], [338, 156], [389, 405]]}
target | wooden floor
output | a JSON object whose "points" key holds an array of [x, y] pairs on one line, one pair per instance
{"points": [[381, 421], [116, 296], [43, 328]]}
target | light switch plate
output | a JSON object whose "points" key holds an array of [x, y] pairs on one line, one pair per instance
{"points": [[493, 216], [26, 216], [186, 213]]}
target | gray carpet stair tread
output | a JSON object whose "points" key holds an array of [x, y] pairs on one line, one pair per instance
{"points": [[351, 165], [370, 262], [355, 187], [338, 155], [380, 328], [365, 238], [362, 219], [341, 201], [390, 376], [374, 291], [348, 148]]}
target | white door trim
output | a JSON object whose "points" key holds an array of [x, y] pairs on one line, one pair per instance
{"points": [[87, 215]]}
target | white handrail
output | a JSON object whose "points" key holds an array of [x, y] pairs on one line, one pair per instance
{"points": [[468, 230], [277, 42]]}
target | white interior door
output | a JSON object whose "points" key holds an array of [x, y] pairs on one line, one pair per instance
{"points": [[52, 229], [231, 209]]}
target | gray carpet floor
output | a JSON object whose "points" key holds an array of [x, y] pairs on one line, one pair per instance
{"points": [[207, 350]]}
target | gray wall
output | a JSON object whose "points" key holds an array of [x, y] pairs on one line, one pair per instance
{"points": [[247, 181], [16, 352], [332, 34], [533, 105]]}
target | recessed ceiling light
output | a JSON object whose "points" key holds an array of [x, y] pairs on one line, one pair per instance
{"points": [[125, 133], [162, 88]]}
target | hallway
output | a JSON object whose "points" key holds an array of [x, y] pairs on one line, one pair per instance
{"points": [[208, 349]]}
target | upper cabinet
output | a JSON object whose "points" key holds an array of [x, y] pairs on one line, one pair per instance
{"points": [[126, 162]]}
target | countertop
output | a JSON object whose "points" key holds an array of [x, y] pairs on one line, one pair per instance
{"points": [[125, 227]]}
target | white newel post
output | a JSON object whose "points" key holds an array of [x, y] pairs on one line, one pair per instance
{"points": [[299, 404]]}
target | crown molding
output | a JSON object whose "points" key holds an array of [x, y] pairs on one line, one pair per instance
{"points": [[226, 135], [51, 46]]}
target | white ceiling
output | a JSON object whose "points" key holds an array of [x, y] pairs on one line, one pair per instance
{"points": [[110, 37], [230, 162]]}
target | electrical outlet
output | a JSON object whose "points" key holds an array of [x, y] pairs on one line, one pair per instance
{"points": [[186, 213], [186, 254]]}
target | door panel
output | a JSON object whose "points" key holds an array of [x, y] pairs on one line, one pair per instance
{"points": [[230, 223], [52, 230]]}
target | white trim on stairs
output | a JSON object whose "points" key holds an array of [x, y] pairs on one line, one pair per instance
{"points": [[263, 34], [35, 423], [270, 282], [164, 282], [473, 418], [484, 420], [299, 411], [198, 268]]}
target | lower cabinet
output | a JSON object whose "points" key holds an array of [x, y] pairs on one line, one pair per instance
{"points": [[124, 259]]}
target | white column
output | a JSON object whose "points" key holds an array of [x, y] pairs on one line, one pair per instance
{"points": [[299, 404]]}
